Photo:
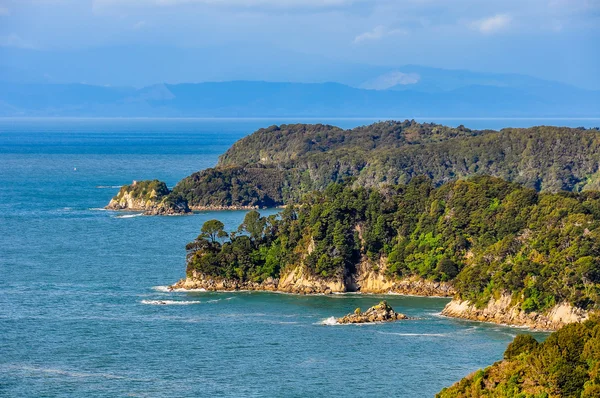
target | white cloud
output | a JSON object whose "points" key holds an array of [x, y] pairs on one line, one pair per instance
{"points": [[14, 40], [378, 33], [139, 25], [492, 24], [99, 4]]}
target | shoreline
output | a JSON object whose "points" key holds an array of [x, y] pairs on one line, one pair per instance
{"points": [[497, 312]]}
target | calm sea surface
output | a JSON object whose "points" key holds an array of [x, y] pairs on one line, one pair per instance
{"points": [[78, 285]]}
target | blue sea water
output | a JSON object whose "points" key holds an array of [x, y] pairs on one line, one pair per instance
{"points": [[79, 286]]}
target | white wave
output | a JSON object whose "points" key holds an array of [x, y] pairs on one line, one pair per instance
{"points": [[108, 186], [130, 215], [213, 301], [167, 289], [168, 302], [71, 373], [97, 209], [331, 321], [415, 334]]}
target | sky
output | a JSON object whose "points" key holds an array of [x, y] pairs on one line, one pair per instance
{"points": [[139, 42]]}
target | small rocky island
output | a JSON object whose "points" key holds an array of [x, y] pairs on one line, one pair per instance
{"points": [[151, 196], [381, 312]]}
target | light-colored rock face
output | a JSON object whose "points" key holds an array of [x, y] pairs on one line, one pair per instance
{"points": [[152, 204], [501, 311], [126, 201], [371, 278], [299, 280]]}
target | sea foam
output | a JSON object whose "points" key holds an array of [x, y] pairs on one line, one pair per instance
{"points": [[331, 321], [130, 215], [168, 302]]}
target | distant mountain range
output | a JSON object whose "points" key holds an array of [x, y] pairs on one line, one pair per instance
{"points": [[408, 91]]}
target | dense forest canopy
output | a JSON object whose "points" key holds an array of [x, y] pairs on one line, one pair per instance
{"points": [[566, 365], [279, 164], [485, 235]]}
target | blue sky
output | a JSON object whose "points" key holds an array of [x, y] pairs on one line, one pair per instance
{"points": [[145, 41]]}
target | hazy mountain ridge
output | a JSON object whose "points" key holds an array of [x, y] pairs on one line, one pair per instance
{"points": [[428, 92]]}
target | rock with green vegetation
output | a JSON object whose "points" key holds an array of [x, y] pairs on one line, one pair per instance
{"points": [[151, 196], [567, 364], [278, 165], [381, 312]]}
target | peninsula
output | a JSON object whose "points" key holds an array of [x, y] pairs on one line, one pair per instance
{"points": [[277, 165], [504, 252]]}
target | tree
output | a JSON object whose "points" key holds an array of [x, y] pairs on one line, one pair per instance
{"points": [[213, 230], [254, 224]]}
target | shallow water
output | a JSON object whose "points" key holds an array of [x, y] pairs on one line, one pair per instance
{"points": [[84, 311]]}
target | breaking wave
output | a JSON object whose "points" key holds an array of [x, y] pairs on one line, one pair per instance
{"points": [[168, 302], [130, 215], [167, 289], [331, 321]]}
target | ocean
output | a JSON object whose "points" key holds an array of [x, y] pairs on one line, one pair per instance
{"points": [[80, 287]]}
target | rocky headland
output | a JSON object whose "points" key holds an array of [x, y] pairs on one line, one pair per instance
{"points": [[298, 281], [504, 311], [382, 312], [150, 196]]}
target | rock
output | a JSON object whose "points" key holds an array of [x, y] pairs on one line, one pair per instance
{"points": [[504, 311], [381, 312], [152, 197]]}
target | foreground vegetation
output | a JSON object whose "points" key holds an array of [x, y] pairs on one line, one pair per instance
{"points": [[279, 164], [566, 365], [485, 235]]}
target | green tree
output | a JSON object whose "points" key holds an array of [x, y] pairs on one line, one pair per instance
{"points": [[254, 225], [213, 230]]}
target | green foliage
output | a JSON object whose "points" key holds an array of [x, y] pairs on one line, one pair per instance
{"points": [[213, 230], [567, 364], [254, 225], [279, 164], [146, 190], [523, 343], [485, 235]]}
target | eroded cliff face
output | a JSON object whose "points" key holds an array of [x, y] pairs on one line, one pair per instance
{"points": [[502, 311], [371, 278], [367, 279], [126, 200], [151, 197]]}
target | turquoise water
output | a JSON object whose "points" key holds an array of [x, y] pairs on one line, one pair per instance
{"points": [[78, 285]]}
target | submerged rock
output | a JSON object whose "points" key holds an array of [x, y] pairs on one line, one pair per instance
{"points": [[381, 312]]}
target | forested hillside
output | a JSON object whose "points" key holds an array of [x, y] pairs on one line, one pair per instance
{"points": [[566, 365], [486, 236], [279, 164]]}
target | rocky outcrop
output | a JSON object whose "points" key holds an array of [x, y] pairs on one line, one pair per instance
{"points": [[295, 281], [503, 311], [371, 278], [151, 197], [298, 280], [381, 312]]}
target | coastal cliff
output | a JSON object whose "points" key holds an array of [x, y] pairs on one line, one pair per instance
{"points": [[150, 196], [504, 252], [504, 311], [299, 280]]}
